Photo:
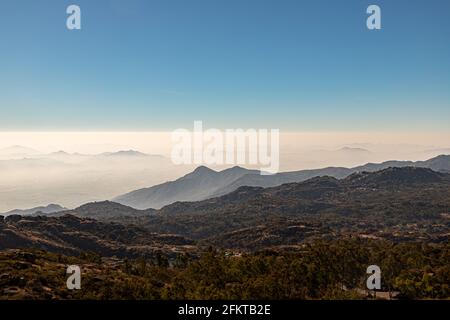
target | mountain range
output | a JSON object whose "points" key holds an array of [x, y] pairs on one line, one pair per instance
{"points": [[105, 211], [200, 184], [204, 183], [51, 208], [397, 204]]}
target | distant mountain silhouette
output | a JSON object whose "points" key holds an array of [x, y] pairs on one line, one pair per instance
{"points": [[354, 150], [51, 208], [204, 183], [197, 185], [105, 211], [127, 153], [59, 153]]}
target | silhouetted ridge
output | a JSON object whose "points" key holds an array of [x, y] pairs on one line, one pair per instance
{"points": [[396, 176], [105, 210]]}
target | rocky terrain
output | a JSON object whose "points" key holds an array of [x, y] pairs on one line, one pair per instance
{"points": [[399, 204], [72, 236]]}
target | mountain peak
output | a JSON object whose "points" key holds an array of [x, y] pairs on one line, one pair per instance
{"points": [[238, 171], [202, 170], [236, 168], [60, 153], [124, 153]]}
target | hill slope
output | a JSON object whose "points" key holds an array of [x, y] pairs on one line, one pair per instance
{"points": [[71, 235]]}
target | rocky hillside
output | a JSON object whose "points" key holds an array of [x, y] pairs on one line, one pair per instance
{"points": [[72, 235], [396, 204]]}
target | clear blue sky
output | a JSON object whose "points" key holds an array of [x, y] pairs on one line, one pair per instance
{"points": [[161, 64]]}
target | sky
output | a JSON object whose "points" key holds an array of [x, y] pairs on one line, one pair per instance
{"points": [[158, 65]]}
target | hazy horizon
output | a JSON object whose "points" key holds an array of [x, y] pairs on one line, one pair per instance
{"points": [[84, 175]]}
